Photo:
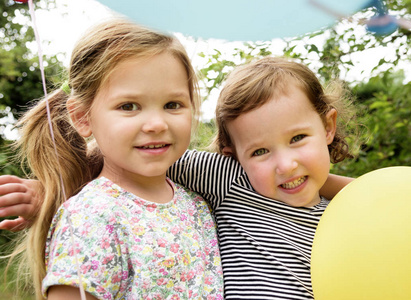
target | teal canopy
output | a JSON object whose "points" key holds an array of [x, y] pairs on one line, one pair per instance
{"points": [[242, 20]]}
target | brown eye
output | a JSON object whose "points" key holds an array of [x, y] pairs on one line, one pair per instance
{"points": [[172, 105], [129, 107]]}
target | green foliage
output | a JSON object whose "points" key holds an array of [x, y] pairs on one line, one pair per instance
{"points": [[216, 69], [348, 39], [8, 165], [203, 136], [20, 77], [9, 289], [20, 83], [384, 103]]}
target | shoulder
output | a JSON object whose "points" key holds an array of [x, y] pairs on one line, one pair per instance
{"points": [[187, 198], [322, 205], [185, 193], [99, 202], [206, 155], [94, 216], [102, 191], [86, 201], [211, 161]]}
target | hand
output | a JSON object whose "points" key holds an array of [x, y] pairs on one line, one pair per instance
{"points": [[18, 197]]}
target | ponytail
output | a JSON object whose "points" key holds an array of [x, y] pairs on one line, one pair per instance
{"points": [[62, 167]]}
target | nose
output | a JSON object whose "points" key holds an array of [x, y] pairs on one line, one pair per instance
{"points": [[286, 163], [154, 122]]}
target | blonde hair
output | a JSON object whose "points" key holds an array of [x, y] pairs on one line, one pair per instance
{"points": [[250, 86], [94, 57]]}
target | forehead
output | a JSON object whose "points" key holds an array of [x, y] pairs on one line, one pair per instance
{"points": [[162, 70], [145, 79], [277, 116], [275, 87]]}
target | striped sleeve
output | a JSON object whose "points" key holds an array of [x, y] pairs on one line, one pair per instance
{"points": [[209, 174]]}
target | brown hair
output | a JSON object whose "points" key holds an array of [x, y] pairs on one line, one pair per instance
{"points": [[250, 86], [94, 57]]}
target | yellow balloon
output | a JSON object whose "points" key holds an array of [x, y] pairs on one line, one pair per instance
{"points": [[362, 246]]}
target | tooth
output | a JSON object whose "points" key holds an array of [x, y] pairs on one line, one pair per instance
{"points": [[153, 146], [293, 184]]}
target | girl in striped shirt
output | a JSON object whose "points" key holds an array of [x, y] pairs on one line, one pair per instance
{"points": [[278, 132]]}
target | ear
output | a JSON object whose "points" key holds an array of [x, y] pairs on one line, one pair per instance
{"points": [[330, 125], [79, 118], [228, 151]]}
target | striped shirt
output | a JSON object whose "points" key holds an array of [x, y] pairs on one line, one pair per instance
{"points": [[265, 244]]}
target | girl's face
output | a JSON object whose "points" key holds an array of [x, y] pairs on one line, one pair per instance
{"points": [[282, 147], [141, 119]]}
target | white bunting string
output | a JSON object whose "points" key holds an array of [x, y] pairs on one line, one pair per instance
{"points": [[43, 78]]}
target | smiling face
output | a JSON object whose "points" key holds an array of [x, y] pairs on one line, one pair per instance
{"points": [[141, 119], [283, 148]]}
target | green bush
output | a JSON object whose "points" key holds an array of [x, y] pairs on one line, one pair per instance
{"points": [[384, 104]]}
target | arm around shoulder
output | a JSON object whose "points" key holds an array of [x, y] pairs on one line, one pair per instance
{"points": [[333, 185]]}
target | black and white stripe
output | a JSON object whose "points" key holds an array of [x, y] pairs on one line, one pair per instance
{"points": [[265, 244]]}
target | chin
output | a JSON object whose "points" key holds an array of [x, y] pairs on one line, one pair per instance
{"points": [[300, 203]]}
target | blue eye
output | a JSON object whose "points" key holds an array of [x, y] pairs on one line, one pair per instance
{"points": [[260, 152], [298, 138], [172, 105], [129, 107]]}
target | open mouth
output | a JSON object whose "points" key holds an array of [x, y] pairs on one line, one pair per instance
{"points": [[294, 184]]}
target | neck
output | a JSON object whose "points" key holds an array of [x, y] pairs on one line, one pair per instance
{"points": [[159, 193], [154, 189]]}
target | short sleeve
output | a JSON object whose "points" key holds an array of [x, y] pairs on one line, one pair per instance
{"points": [[85, 243]]}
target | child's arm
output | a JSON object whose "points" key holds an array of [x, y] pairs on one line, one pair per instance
{"points": [[333, 185], [208, 174], [18, 197], [65, 292]]}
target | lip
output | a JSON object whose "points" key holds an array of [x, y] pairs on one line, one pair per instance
{"points": [[154, 147], [296, 189]]}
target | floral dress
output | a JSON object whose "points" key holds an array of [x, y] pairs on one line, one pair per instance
{"points": [[125, 247]]}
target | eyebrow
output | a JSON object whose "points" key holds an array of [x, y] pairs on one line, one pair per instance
{"points": [[179, 94], [252, 146], [136, 96], [299, 127]]}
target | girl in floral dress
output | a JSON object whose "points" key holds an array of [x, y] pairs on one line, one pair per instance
{"points": [[126, 231]]}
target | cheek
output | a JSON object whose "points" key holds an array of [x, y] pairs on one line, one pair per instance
{"points": [[317, 160], [180, 128], [124, 129], [183, 126], [316, 150], [185, 136], [259, 174]]}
